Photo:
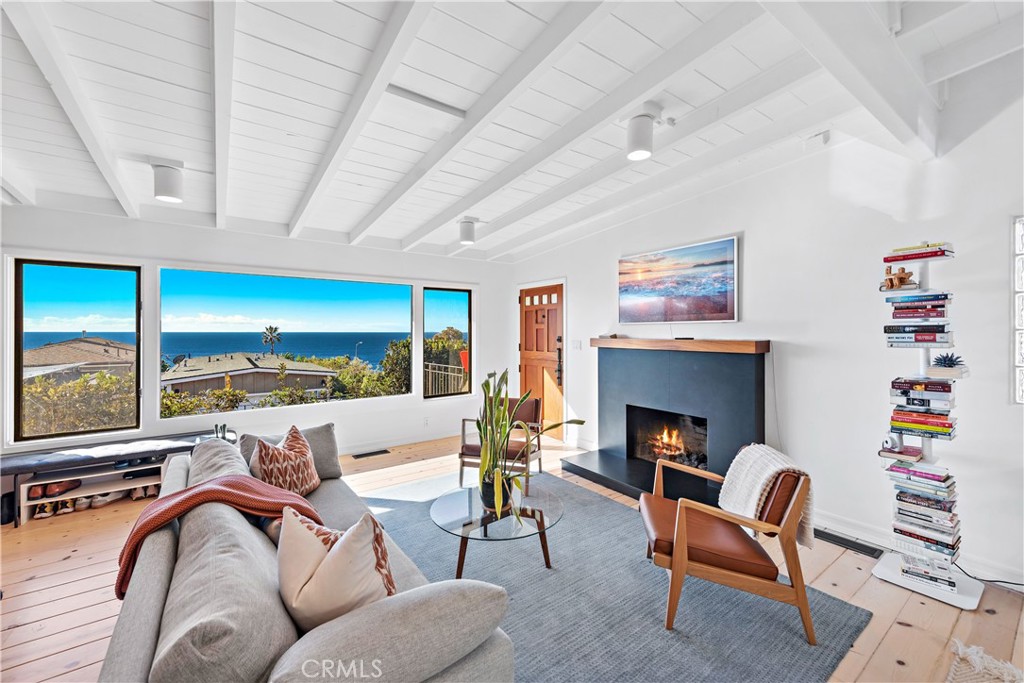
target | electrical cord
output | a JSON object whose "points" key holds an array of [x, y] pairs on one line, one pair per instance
{"points": [[1008, 583]]}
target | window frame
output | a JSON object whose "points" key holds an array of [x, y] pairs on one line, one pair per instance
{"points": [[17, 436], [469, 342]]}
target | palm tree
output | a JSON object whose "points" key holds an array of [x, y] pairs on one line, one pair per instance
{"points": [[271, 336]]}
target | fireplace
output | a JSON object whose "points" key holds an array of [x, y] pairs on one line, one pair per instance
{"points": [[654, 434]]}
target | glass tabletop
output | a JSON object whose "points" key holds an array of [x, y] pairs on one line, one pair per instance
{"points": [[461, 512]]}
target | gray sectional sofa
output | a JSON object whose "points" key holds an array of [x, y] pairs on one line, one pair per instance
{"points": [[203, 605]]}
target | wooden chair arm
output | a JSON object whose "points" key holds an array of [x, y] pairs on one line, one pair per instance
{"points": [[750, 523], [464, 421], [659, 482]]}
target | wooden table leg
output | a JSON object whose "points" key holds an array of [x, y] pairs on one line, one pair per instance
{"points": [[463, 543], [543, 534]]}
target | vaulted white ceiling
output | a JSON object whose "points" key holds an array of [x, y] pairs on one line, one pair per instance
{"points": [[383, 123]]}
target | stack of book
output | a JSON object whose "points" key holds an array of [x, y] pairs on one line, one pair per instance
{"points": [[925, 522], [919, 321], [933, 397], [920, 252]]}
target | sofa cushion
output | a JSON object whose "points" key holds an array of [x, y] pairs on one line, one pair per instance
{"points": [[215, 458], [226, 573], [325, 573], [409, 637], [340, 508], [288, 465], [322, 443]]}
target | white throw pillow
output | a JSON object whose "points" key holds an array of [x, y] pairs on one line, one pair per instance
{"points": [[324, 573]]}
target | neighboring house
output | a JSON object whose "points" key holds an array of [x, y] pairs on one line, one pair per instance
{"points": [[254, 373], [68, 360]]}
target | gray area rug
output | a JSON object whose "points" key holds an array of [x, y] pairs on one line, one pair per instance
{"points": [[598, 614]]}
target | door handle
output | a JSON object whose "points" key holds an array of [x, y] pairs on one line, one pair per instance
{"points": [[558, 367]]}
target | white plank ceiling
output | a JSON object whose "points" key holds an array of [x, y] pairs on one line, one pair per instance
{"points": [[382, 124]]}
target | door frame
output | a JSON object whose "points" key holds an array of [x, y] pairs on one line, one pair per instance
{"points": [[565, 327]]}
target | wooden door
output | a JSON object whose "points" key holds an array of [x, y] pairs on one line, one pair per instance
{"points": [[541, 370]]}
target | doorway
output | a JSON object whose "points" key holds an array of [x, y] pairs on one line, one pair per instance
{"points": [[541, 367]]}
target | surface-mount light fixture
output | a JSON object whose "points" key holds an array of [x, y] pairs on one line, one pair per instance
{"points": [[168, 180], [467, 230], [640, 132]]}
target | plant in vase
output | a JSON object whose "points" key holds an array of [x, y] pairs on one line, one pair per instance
{"points": [[500, 467]]}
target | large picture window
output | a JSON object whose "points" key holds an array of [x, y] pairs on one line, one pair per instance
{"points": [[446, 342], [76, 348], [232, 341]]}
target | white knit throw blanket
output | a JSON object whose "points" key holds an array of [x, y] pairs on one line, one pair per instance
{"points": [[750, 478]]}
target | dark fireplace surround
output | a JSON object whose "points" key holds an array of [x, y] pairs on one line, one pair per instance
{"points": [[721, 394]]}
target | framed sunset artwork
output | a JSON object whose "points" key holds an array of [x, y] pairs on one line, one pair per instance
{"points": [[693, 283]]}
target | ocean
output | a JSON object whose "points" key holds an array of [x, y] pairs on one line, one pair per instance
{"points": [[371, 345]]}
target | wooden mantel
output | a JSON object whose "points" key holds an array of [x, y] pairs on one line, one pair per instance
{"points": [[749, 346]]}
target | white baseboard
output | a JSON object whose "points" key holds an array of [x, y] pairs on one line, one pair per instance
{"points": [[882, 537]]}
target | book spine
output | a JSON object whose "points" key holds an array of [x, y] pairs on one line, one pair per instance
{"points": [[910, 298], [949, 531], [917, 473], [925, 502], [907, 431], [896, 258], [922, 247], [919, 337], [937, 516], [913, 313], [912, 419], [896, 476], [921, 427], [920, 536], [942, 494], [920, 402], [925, 582], [918, 385], [941, 328], [910, 393]]}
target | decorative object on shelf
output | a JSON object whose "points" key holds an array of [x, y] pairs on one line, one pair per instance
{"points": [[495, 426], [694, 283], [901, 279], [925, 524]]}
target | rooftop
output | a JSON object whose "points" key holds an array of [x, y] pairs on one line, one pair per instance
{"points": [[81, 350], [200, 366]]}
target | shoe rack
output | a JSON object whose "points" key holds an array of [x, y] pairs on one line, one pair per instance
{"points": [[96, 480]]}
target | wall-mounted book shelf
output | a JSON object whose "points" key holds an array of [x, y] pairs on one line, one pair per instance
{"points": [[926, 526]]}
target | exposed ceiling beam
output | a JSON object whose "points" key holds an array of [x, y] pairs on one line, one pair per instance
{"points": [[849, 41], [223, 39], [646, 83], [396, 37], [36, 32], [916, 16], [813, 116], [17, 185], [974, 51], [562, 34], [761, 87], [424, 101]]}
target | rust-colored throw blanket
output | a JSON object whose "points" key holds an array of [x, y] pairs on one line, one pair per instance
{"points": [[242, 492]]}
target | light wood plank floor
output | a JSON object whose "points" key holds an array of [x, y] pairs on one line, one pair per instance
{"points": [[58, 606]]}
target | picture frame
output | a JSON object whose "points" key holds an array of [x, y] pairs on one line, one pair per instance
{"points": [[690, 283]]}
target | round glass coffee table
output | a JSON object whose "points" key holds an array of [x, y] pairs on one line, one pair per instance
{"points": [[461, 513]]}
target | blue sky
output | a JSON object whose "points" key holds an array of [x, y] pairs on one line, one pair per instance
{"points": [[445, 308], [71, 299], [200, 301]]}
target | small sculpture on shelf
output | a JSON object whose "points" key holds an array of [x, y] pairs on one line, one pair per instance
{"points": [[898, 280], [947, 360]]}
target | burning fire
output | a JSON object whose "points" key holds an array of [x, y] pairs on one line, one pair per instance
{"points": [[667, 443]]}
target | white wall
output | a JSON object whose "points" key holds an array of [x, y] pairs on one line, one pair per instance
{"points": [[812, 238], [361, 424]]}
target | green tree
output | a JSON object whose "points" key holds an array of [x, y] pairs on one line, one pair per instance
{"points": [[271, 336], [91, 402], [443, 347]]}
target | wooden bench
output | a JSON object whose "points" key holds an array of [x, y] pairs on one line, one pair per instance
{"points": [[91, 462]]}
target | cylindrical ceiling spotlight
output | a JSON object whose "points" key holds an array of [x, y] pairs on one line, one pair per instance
{"points": [[640, 132], [169, 182], [467, 230]]}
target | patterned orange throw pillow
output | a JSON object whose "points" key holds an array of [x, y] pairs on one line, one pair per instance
{"points": [[289, 465]]}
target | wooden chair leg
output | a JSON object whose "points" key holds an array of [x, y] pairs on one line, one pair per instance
{"points": [[796, 577], [649, 553], [540, 464], [462, 467], [675, 588]]}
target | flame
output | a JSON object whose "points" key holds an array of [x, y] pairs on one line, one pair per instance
{"points": [[668, 442]]}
